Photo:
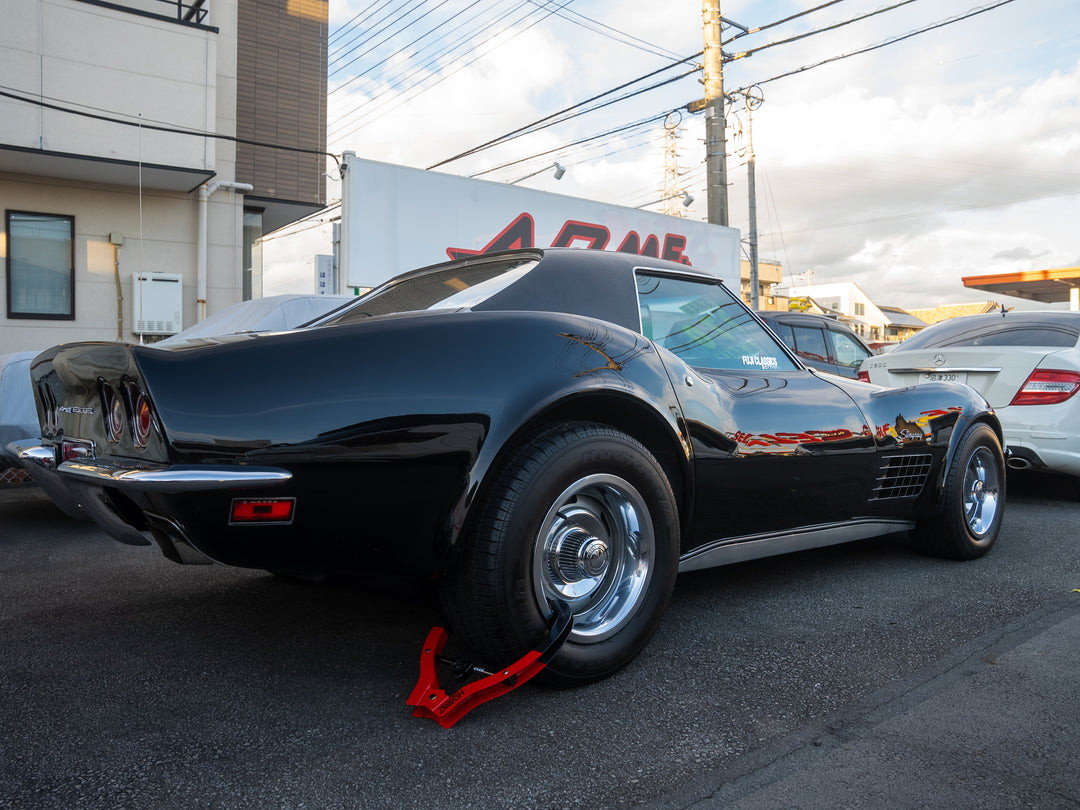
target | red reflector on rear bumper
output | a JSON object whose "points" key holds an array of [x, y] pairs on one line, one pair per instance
{"points": [[267, 510], [75, 449]]}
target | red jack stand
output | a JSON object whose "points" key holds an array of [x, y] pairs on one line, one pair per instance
{"points": [[430, 700]]}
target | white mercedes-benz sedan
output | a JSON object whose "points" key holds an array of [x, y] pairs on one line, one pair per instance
{"points": [[1026, 364]]}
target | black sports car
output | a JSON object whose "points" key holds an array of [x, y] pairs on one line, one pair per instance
{"points": [[540, 429]]}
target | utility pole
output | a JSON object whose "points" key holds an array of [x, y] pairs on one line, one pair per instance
{"points": [[715, 120], [752, 102]]}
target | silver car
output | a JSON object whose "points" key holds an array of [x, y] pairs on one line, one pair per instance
{"points": [[1026, 364]]}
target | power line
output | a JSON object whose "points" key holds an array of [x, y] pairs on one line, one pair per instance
{"points": [[291, 230], [388, 37], [608, 133], [892, 41], [571, 156], [363, 33], [589, 24], [547, 121], [767, 26], [415, 69], [461, 42], [444, 76], [826, 29], [160, 128], [337, 32]]}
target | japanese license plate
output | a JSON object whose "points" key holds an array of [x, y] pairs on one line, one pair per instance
{"points": [[943, 376]]}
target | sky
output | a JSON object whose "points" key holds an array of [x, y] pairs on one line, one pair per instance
{"points": [[951, 153]]}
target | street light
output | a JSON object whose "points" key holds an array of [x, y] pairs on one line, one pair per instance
{"points": [[560, 170], [687, 200]]}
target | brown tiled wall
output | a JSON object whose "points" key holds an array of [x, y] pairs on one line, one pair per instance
{"points": [[281, 97], [947, 311]]}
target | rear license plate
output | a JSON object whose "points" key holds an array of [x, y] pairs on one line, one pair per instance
{"points": [[943, 376]]}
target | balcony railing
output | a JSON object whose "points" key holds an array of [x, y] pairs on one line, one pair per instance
{"points": [[194, 11], [190, 11]]}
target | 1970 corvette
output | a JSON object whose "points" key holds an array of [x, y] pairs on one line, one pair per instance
{"points": [[536, 428]]}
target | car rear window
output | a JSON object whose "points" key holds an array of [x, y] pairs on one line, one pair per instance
{"points": [[996, 332], [457, 286], [1034, 336]]}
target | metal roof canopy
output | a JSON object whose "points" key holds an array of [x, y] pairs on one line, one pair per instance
{"points": [[1048, 286], [92, 169]]}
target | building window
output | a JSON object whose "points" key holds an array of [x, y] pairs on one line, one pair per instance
{"points": [[252, 282], [40, 266], [860, 309]]}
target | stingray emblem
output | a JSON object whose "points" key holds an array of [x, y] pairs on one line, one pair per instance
{"points": [[76, 409]]}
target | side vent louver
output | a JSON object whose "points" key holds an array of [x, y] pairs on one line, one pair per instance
{"points": [[902, 476]]}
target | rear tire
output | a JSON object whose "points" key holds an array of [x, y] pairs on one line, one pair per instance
{"points": [[974, 502], [582, 514]]}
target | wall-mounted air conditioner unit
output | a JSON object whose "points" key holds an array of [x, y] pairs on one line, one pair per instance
{"points": [[157, 303]]}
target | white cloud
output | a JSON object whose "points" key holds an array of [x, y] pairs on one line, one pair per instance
{"points": [[912, 196]]}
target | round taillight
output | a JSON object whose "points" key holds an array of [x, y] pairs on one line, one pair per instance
{"points": [[113, 409], [142, 419]]}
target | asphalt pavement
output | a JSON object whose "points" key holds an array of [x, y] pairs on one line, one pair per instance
{"points": [[859, 676], [994, 725]]}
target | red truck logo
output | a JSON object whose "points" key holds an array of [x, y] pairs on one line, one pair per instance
{"points": [[521, 233]]}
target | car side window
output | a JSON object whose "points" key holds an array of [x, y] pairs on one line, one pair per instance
{"points": [[705, 325], [783, 331], [810, 343], [848, 351]]}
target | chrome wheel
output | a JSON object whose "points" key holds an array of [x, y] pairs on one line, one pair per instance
{"points": [[582, 515], [982, 488], [595, 552], [973, 499]]}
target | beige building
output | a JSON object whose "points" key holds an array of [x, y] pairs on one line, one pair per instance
{"points": [[770, 274], [127, 151], [947, 311]]}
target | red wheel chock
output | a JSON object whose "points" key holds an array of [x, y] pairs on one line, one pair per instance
{"points": [[428, 698]]}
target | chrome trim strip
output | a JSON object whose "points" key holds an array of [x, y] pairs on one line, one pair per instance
{"points": [[178, 478], [945, 370], [752, 547]]}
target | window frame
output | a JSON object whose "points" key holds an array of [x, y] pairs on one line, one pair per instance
{"points": [[712, 281], [8, 276]]}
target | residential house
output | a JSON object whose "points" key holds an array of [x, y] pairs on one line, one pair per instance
{"points": [[145, 146], [851, 305]]}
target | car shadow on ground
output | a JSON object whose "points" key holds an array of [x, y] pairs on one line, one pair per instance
{"points": [[1033, 486]]}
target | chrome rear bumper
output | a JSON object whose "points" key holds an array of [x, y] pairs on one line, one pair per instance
{"points": [[79, 486], [145, 476]]}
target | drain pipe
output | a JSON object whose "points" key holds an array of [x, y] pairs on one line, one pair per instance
{"points": [[116, 239], [206, 190]]}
